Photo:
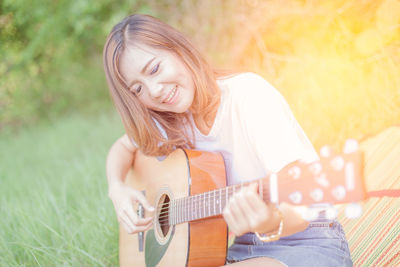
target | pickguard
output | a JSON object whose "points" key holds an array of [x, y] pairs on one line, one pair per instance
{"points": [[153, 250]]}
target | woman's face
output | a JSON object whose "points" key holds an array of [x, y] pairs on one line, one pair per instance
{"points": [[158, 77]]}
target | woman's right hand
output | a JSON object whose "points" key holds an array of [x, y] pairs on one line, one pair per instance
{"points": [[124, 198]]}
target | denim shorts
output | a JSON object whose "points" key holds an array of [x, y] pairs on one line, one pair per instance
{"points": [[323, 243]]}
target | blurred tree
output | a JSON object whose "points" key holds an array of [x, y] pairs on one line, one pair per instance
{"points": [[50, 56], [322, 55]]}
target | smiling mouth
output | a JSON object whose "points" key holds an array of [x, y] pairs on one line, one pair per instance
{"points": [[171, 95]]}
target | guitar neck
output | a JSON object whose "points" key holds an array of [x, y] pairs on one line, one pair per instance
{"points": [[335, 179], [204, 205]]}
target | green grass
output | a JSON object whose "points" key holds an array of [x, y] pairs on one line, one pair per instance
{"points": [[53, 194]]}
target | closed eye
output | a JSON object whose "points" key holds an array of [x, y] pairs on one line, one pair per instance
{"points": [[155, 68], [137, 90]]}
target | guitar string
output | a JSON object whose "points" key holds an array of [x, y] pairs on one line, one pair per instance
{"points": [[166, 213], [204, 198], [194, 201], [222, 197]]}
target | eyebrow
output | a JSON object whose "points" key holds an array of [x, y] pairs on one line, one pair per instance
{"points": [[143, 71]]}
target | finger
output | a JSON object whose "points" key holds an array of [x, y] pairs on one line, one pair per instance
{"points": [[130, 215], [251, 214], [238, 215], [125, 222], [142, 199], [127, 228], [134, 218], [135, 229], [144, 221], [143, 227], [230, 221], [254, 204]]}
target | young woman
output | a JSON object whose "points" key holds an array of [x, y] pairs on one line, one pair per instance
{"points": [[169, 97]]}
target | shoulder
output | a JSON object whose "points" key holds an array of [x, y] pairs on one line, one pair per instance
{"points": [[248, 86], [241, 78]]}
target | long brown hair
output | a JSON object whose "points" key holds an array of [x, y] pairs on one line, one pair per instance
{"points": [[141, 123]]}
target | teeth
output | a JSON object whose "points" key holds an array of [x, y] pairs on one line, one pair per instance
{"points": [[171, 95]]}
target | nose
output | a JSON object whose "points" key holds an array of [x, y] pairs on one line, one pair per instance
{"points": [[154, 88]]}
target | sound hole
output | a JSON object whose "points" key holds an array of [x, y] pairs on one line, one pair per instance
{"points": [[163, 218]]}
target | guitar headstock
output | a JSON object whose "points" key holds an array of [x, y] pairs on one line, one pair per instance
{"points": [[334, 179]]}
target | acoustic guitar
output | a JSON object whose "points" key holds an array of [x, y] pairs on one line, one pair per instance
{"points": [[188, 189]]}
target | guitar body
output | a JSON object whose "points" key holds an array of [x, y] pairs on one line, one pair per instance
{"points": [[188, 190], [195, 243]]}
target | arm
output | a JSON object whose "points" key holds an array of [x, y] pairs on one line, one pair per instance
{"points": [[119, 160], [277, 140]]}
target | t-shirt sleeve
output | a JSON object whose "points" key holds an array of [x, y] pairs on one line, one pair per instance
{"points": [[270, 126]]}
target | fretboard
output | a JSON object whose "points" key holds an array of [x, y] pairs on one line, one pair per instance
{"points": [[208, 204]]}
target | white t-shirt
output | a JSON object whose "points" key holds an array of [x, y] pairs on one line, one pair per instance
{"points": [[254, 130]]}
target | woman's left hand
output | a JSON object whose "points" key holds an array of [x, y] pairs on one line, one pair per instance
{"points": [[247, 212]]}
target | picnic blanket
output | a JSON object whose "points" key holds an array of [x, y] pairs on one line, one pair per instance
{"points": [[374, 238]]}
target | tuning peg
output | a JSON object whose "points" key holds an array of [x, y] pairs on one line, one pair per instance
{"points": [[353, 210], [351, 145], [325, 151]]}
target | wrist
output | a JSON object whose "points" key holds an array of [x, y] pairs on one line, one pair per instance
{"points": [[114, 186], [275, 234], [274, 222]]}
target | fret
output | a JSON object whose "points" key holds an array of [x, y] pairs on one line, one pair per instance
{"points": [[200, 207], [214, 203], [227, 195], [201, 213], [173, 212], [208, 204], [197, 207], [192, 212], [185, 210], [176, 211], [217, 198], [190, 208], [194, 207], [170, 210], [179, 211], [199, 210], [204, 205], [220, 205]]}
